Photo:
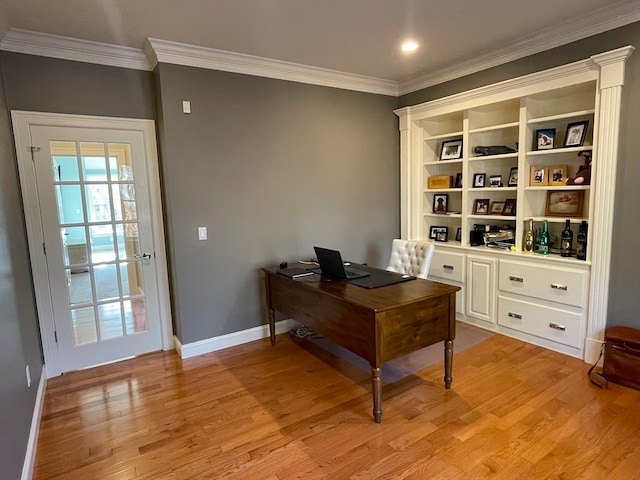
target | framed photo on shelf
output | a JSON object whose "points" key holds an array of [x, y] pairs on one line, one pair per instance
{"points": [[478, 180], [439, 234], [575, 134], [545, 138], [496, 208], [564, 203], [458, 183], [538, 176], [451, 150], [440, 202], [509, 207], [513, 177], [459, 234], [495, 180], [557, 174], [481, 206]]}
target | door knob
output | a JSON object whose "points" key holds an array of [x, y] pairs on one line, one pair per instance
{"points": [[144, 256]]}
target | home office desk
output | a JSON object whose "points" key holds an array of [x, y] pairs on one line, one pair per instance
{"points": [[377, 324]]}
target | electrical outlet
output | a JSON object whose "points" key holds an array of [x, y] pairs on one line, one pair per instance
{"points": [[186, 106], [28, 377], [202, 233]]}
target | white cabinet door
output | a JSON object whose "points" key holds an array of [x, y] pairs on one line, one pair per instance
{"points": [[481, 288]]}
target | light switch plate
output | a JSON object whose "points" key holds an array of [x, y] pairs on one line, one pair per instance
{"points": [[202, 233], [186, 106]]}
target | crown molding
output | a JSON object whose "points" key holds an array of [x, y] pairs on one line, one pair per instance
{"points": [[593, 23], [67, 48], [162, 51]]}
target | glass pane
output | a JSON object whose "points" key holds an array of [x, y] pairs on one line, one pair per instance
{"points": [[98, 204], [94, 167], [117, 202], [76, 251], [131, 275], [84, 325], [120, 160], [80, 290], [135, 316], [130, 245], [102, 248], [110, 320], [65, 169], [106, 280], [69, 199]]}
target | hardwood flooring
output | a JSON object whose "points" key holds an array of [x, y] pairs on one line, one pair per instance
{"points": [[295, 411]]}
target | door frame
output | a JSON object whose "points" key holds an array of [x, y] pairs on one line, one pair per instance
{"points": [[22, 122]]}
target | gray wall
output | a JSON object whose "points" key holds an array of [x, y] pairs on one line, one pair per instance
{"points": [[19, 340], [44, 85], [271, 168], [624, 302]]}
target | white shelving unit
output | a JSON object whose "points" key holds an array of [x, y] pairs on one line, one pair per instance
{"points": [[510, 114]]}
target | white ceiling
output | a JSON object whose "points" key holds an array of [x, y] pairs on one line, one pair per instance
{"points": [[360, 37]]}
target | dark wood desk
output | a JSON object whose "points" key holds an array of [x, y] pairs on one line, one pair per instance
{"points": [[377, 324]]}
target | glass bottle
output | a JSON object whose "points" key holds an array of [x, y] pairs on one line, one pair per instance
{"points": [[544, 239], [528, 238], [581, 242], [566, 240]]}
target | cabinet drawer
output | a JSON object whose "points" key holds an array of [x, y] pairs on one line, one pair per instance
{"points": [[546, 322], [447, 265], [548, 283]]}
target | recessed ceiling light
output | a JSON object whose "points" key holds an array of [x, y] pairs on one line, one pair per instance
{"points": [[409, 46]]}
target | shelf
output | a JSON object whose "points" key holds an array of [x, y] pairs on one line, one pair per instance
{"points": [[444, 136], [558, 187], [553, 151], [442, 190], [443, 215], [493, 189], [490, 128], [492, 217], [493, 157], [562, 116], [443, 162]]}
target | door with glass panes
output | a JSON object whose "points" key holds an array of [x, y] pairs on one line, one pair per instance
{"points": [[94, 202]]}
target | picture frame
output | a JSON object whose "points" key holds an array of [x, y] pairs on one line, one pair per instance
{"points": [[440, 203], [438, 233], [557, 174], [564, 203], [479, 179], [451, 150], [513, 177], [496, 208], [481, 206], [576, 133], [538, 176], [459, 234], [509, 207], [458, 183], [495, 181], [545, 139]]}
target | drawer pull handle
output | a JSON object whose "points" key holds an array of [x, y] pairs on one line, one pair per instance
{"points": [[516, 279], [447, 267], [515, 315], [557, 286], [555, 326]]}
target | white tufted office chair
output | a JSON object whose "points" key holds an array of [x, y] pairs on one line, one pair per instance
{"points": [[409, 257]]}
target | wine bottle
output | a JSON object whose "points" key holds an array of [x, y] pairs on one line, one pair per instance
{"points": [[528, 238], [581, 242], [566, 240], [544, 239]]}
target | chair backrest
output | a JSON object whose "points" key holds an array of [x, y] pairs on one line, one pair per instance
{"points": [[410, 257]]}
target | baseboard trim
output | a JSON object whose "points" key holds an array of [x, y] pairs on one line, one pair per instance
{"points": [[209, 345], [592, 349], [32, 444]]}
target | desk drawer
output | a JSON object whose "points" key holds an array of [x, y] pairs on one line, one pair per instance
{"points": [[550, 323], [447, 266], [548, 283]]}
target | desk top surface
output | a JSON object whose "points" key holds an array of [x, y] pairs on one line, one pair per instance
{"points": [[379, 299]]}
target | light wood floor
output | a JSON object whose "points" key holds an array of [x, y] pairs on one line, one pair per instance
{"points": [[515, 411]]}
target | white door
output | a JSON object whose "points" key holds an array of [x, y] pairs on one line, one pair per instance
{"points": [[96, 215]]}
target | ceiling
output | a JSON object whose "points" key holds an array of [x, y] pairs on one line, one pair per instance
{"points": [[358, 37]]}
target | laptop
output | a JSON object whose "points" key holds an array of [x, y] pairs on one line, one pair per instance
{"points": [[331, 264]]}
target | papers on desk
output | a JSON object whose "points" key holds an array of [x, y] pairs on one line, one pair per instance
{"points": [[295, 272]]}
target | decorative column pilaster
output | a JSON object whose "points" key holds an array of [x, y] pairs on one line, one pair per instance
{"points": [[604, 166], [406, 180]]}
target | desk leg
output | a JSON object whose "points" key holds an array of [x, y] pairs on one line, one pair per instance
{"points": [[376, 383], [448, 361], [272, 325]]}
